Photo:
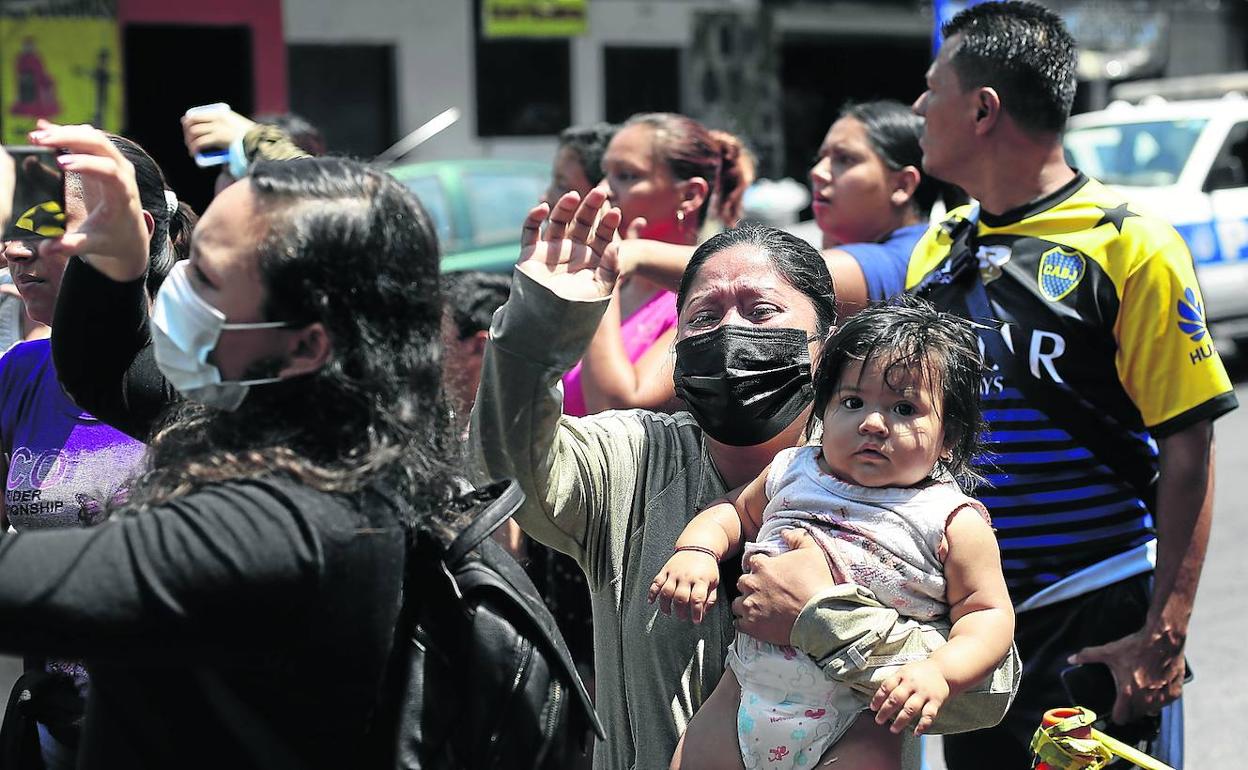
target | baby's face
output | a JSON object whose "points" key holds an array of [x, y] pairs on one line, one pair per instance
{"points": [[880, 432]]}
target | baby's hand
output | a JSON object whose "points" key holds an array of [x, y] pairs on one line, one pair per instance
{"points": [[917, 690], [687, 582]]}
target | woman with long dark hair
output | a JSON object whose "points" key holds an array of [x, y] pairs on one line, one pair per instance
{"points": [[239, 609]]}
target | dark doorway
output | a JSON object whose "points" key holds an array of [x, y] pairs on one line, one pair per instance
{"points": [[640, 80], [347, 91], [818, 75], [170, 68]]}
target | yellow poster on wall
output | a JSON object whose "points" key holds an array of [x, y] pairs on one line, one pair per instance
{"points": [[65, 69], [533, 18]]}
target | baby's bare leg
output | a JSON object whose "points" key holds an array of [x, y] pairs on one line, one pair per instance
{"points": [[710, 740], [865, 746]]}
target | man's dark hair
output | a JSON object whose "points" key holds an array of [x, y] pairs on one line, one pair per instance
{"points": [[590, 144], [347, 246], [1022, 50], [911, 338], [793, 259], [472, 296]]}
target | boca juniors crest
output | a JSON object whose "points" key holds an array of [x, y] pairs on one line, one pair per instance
{"points": [[1060, 272]]}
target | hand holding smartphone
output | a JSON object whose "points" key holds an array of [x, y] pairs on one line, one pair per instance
{"points": [[38, 195], [207, 156]]}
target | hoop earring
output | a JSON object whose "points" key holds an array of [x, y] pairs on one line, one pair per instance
{"points": [[680, 215]]}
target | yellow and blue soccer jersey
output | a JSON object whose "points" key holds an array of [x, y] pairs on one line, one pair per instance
{"points": [[1090, 294]]}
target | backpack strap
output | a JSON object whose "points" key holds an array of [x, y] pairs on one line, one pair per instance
{"points": [[501, 499], [497, 572]]}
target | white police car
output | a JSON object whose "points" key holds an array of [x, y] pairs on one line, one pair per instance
{"points": [[1187, 161]]}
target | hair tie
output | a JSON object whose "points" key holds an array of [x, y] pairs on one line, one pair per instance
{"points": [[171, 201]]}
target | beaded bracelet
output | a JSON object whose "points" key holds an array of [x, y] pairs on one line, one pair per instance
{"points": [[699, 549]]}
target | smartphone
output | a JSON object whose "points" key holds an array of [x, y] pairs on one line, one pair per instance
{"points": [[38, 196], [214, 156]]}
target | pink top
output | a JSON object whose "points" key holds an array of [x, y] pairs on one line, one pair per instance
{"points": [[639, 331]]}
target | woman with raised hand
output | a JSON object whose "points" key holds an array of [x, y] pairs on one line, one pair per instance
{"points": [[667, 174], [615, 490], [238, 610]]}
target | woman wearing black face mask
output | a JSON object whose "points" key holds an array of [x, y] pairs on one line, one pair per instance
{"points": [[615, 490]]}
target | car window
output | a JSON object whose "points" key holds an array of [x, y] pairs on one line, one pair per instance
{"points": [[499, 201], [1138, 154], [429, 192], [1230, 170]]}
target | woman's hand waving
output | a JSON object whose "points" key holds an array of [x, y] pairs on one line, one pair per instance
{"points": [[114, 236], [576, 255]]}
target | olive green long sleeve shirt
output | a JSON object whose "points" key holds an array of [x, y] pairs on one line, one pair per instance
{"points": [[614, 491]]}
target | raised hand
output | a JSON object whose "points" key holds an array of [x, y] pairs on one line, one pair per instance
{"points": [[114, 237], [213, 130], [575, 257]]}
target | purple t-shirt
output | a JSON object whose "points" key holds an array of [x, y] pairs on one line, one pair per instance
{"points": [[65, 466]]}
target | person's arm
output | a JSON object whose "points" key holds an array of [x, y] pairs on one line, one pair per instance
{"points": [[114, 237], [610, 381], [576, 474], [213, 130], [848, 281], [687, 583], [982, 632], [101, 344], [661, 263], [103, 352], [1172, 372], [173, 583], [1148, 663]]}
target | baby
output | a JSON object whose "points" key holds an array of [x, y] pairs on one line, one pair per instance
{"points": [[897, 389]]}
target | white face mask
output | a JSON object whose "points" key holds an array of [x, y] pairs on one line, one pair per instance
{"points": [[185, 330]]}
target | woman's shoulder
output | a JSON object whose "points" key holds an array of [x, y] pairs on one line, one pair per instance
{"points": [[25, 356], [22, 369]]}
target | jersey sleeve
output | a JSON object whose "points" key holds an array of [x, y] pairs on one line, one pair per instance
{"points": [[1166, 359]]}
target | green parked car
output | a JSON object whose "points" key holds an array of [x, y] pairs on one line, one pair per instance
{"points": [[477, 206]]}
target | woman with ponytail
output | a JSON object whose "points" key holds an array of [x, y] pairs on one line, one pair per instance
{"points": [[668, 174]]}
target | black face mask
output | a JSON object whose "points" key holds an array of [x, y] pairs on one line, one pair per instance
{"points": [[744, 384]]}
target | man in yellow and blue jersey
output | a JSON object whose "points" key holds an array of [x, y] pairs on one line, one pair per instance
{"points": [[1101, 389]]}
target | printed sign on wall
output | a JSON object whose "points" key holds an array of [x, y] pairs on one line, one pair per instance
{"points": [[533, 18], [65, 69]]}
